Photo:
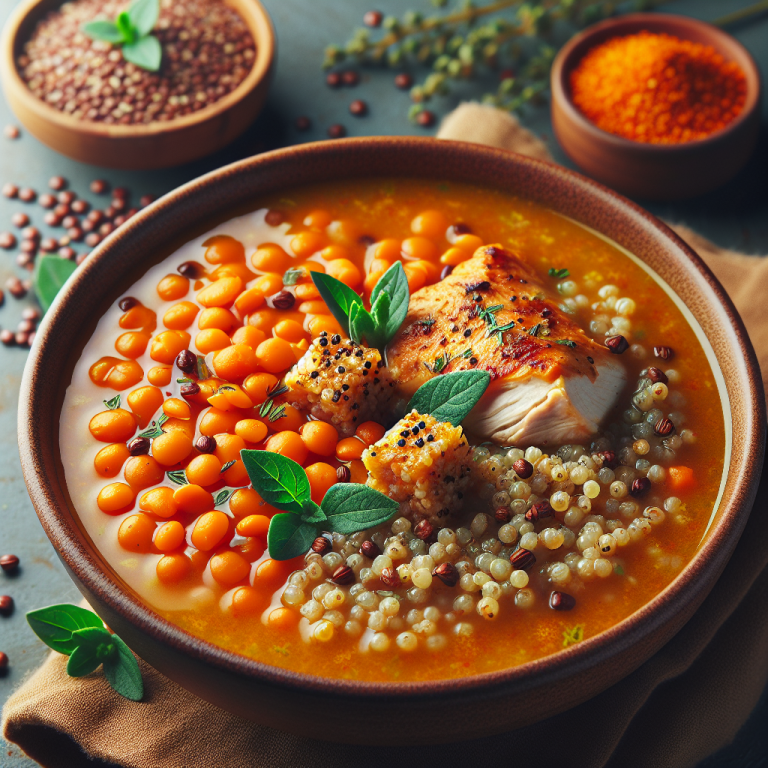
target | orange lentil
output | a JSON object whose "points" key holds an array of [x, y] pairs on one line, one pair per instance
{"points": [[248, 601], [253, 525], [115, 497], [345, 231], [306, 292], [318, 219], [170, 536], [171, 569], [419, 248], [159, 501], [143, 471], [115, 426], [209, 530], [469, 242], [223, 249], [145, 402], [346, 271], [271, 574], [236, 475], [136, 532], [252, 548], [321, 477], [171, 447], [249, 301], [159, 376], [271, 258], [217, 317], [283, 619], [320, 323], [228, 447], [233, 270], [173, 287], [204, 470], [305, 244], [291, 420], [455, 256], [180, 316], [191, 499], [228, 568], [658, 89], [290, 330], [320, 437], [176, 408], [246, 501], [115, 373], [220, 293], [269, 284], [215, 421], [167, 345], [110, 459], [138, 317], [288, 444], [249, 336], [235, 362], [211, 340], [274, 355], [315, 307], [258, 384], [132, 344], [251, 430], [432, 224], [349, 448], [370, 432], [333, 252]]}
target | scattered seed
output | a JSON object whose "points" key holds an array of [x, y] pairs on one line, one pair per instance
{"points": [[370, 549], [321, 545], [403, 81], [333, 79], [9, 563], [10, 191], [11, 132], [6, 605], [139, 446], [337, 131], [562, 601], [57, 183], [350, 77], [358, 108], [425, 118], [27, 195], [7, 240], [373, 19], [343, 474]]}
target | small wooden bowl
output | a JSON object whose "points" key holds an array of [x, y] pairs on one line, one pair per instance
{"points": [[437, 711], [139, 147], [655, 171]]}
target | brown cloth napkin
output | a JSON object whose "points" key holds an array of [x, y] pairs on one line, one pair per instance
{"points": [[683, 704]]}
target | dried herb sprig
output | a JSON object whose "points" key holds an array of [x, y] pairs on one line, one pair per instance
{"points": [[457, 44]]}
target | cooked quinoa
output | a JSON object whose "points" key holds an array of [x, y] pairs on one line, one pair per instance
{"points": [[422, 463], [341, 382]]}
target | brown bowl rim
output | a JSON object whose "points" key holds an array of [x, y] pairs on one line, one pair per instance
{"points": [[685, 590], [563, 65], [259, 25]]}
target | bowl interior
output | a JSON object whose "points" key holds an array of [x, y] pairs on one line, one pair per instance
{"points": [[20, 27], [680, 26], [159, 228]]}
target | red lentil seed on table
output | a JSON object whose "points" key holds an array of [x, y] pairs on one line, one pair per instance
{"points": [[207, 52], [550, 546]]}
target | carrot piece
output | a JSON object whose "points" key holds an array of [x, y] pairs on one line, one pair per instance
{"points": [[681, 478]]}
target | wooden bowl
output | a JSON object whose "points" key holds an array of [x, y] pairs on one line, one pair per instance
{"points": [[655, 171], [138, 147], [419, 712]]}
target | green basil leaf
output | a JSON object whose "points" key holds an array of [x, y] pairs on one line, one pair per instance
{"points": [[289, 536], [340, 298], [103, 30], [280, 481], [123, 23], [123, 673], [312, 513], [51, 272], [143, 15], [380, 310], [146, 53], [351, 507], [361, 325], [82, 661], [56, 624], [395, 284], [452, 396], [113, 403]]}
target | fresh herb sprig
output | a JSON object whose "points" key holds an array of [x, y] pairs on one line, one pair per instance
{"points": [[389, 306], [81, 635], [281, 482], [452, 396], [131, 30], [462, 43]]}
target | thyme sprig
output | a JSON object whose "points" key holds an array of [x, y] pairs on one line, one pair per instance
{"points": [[458, 44]]}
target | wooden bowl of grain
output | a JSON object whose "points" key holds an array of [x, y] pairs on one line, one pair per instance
{"points": [[157, 144], [654, 171]]}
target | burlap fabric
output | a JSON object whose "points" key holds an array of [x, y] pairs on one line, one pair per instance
{"points": [[686, 702]]}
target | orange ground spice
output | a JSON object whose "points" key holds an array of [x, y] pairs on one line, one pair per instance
{"points": [[657, 88]]}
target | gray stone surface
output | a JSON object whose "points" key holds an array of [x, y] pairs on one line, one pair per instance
{"points": [[735, 216]]}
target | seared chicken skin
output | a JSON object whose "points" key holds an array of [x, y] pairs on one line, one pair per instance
{"points": [[550, 383]]}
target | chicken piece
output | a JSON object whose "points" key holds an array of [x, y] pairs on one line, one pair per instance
{"points": [[341, 382], [550, 383], [422, 462]]}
